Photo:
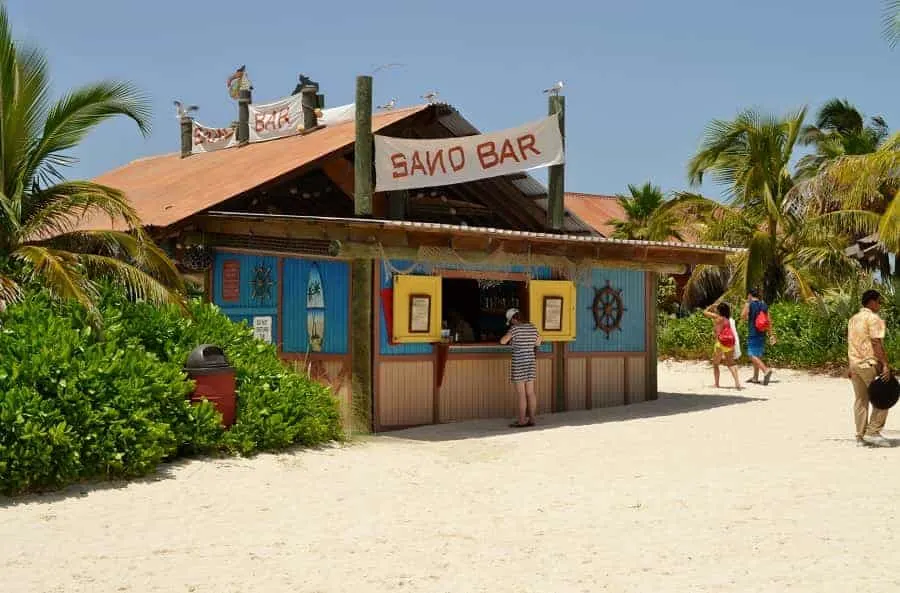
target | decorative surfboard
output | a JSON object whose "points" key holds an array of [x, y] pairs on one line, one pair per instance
{"points": [[315, 309]]}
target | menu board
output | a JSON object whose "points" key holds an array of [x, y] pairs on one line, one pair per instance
{"points": [[553, 311], [419, 314], [231, 280]]}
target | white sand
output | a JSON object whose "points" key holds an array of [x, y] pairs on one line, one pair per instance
{"points": [[701, 491]]}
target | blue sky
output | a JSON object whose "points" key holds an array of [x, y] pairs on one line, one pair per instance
{"points": [[643, 78]]}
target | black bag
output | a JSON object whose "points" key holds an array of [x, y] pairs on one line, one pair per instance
{"points": [[884, 394]]}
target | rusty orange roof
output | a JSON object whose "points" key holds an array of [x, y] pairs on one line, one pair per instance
{"points": [[595, 210], [165, 189]]}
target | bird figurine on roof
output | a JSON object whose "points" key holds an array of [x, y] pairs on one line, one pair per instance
{"points": [[389, 105], [555, 89], [304, 80], [430, 96], [184, 112], [239, 81]]}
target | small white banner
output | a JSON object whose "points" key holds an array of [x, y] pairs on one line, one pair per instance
{"points": [[338, 115], [262, 329], [205, 139], [285, 118], [276, 120], [406, 164]]}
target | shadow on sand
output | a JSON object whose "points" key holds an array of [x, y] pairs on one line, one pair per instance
{"points": [[668, 404], [165, 471]]}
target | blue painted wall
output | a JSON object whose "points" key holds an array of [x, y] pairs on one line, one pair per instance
{"points": [[248, 307], [632, 336], [406, 267], [336, 285]]}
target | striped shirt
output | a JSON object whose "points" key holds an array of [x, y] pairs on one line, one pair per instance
{"points": [[523, 339]]}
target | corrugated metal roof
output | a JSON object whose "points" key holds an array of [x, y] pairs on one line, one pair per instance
{"points": [[529, 186], [470, 230], [165, 189], [595, 210], [571, 223]]}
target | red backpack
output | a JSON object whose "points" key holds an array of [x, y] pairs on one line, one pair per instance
{"points": [[726, 336], [762, 322]]}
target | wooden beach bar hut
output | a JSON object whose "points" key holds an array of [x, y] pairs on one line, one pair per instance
{"points": [[396, 297]]}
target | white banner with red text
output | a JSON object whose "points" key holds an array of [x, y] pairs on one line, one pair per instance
{"points": [[285, 117], [206, 139], [401, 163]]}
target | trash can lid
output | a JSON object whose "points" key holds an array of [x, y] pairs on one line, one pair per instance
{"points": [[206, 356]]}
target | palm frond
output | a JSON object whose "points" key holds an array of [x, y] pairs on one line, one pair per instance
{"points": [[71, 118], [59, 209], [10, 291], [889, 227], [845, 222], [133, 247], [890, 22], [138, 284], [58, 272]]}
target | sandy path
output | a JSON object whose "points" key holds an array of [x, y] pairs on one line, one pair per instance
{"points": [[702, 491]]}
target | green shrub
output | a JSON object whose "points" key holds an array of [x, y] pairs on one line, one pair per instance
{"points": [[809, 335], [76, 403], [277, 407]]}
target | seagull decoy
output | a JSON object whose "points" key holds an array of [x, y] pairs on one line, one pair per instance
{"points": [[389, 105], [182, 111], [430, 96], [554, 90]]}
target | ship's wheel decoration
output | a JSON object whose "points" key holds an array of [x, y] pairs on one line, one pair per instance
{"points": [[608, 309], [261, 283]]}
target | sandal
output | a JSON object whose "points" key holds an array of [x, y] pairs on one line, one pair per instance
{"points": [[518, 425]]}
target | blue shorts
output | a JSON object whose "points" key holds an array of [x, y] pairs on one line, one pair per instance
{"points": [[756, 346]]}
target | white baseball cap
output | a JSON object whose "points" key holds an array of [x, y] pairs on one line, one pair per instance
{"points": [[510, 313]]}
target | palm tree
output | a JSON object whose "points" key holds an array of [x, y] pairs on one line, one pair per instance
{"points": [[751, 156], [856, 193], [40, 211], [648, 215], [840, 130]]}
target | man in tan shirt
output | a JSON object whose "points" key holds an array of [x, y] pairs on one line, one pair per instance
{"points": [[867, 358]]}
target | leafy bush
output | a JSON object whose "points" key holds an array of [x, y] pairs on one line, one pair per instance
{"points": [[277, 407], [76, 403], [809, 335]]}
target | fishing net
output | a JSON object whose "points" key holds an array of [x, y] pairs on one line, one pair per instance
{"points": [[480, 266]]}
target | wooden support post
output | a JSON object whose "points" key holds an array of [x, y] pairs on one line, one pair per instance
{"points": [[398, 202], [361, 343], [556, 190], [652, 279], [243, 130], [362, 157], [187, 130], [308, 100], [559, 372]]}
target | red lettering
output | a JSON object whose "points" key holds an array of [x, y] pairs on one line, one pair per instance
{"points": [[508, 152], [417, 164], [399, 162], [487, 154], [433, 162], [259, 122], [202, 135], [527, 142], [457, 165], [284, 118]]}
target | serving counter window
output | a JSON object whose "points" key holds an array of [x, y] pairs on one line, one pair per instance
{"points": [[474, 310], [450, 307]]}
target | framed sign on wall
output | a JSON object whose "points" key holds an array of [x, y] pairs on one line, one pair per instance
{"points": [[419, 313], [553, 314]]}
